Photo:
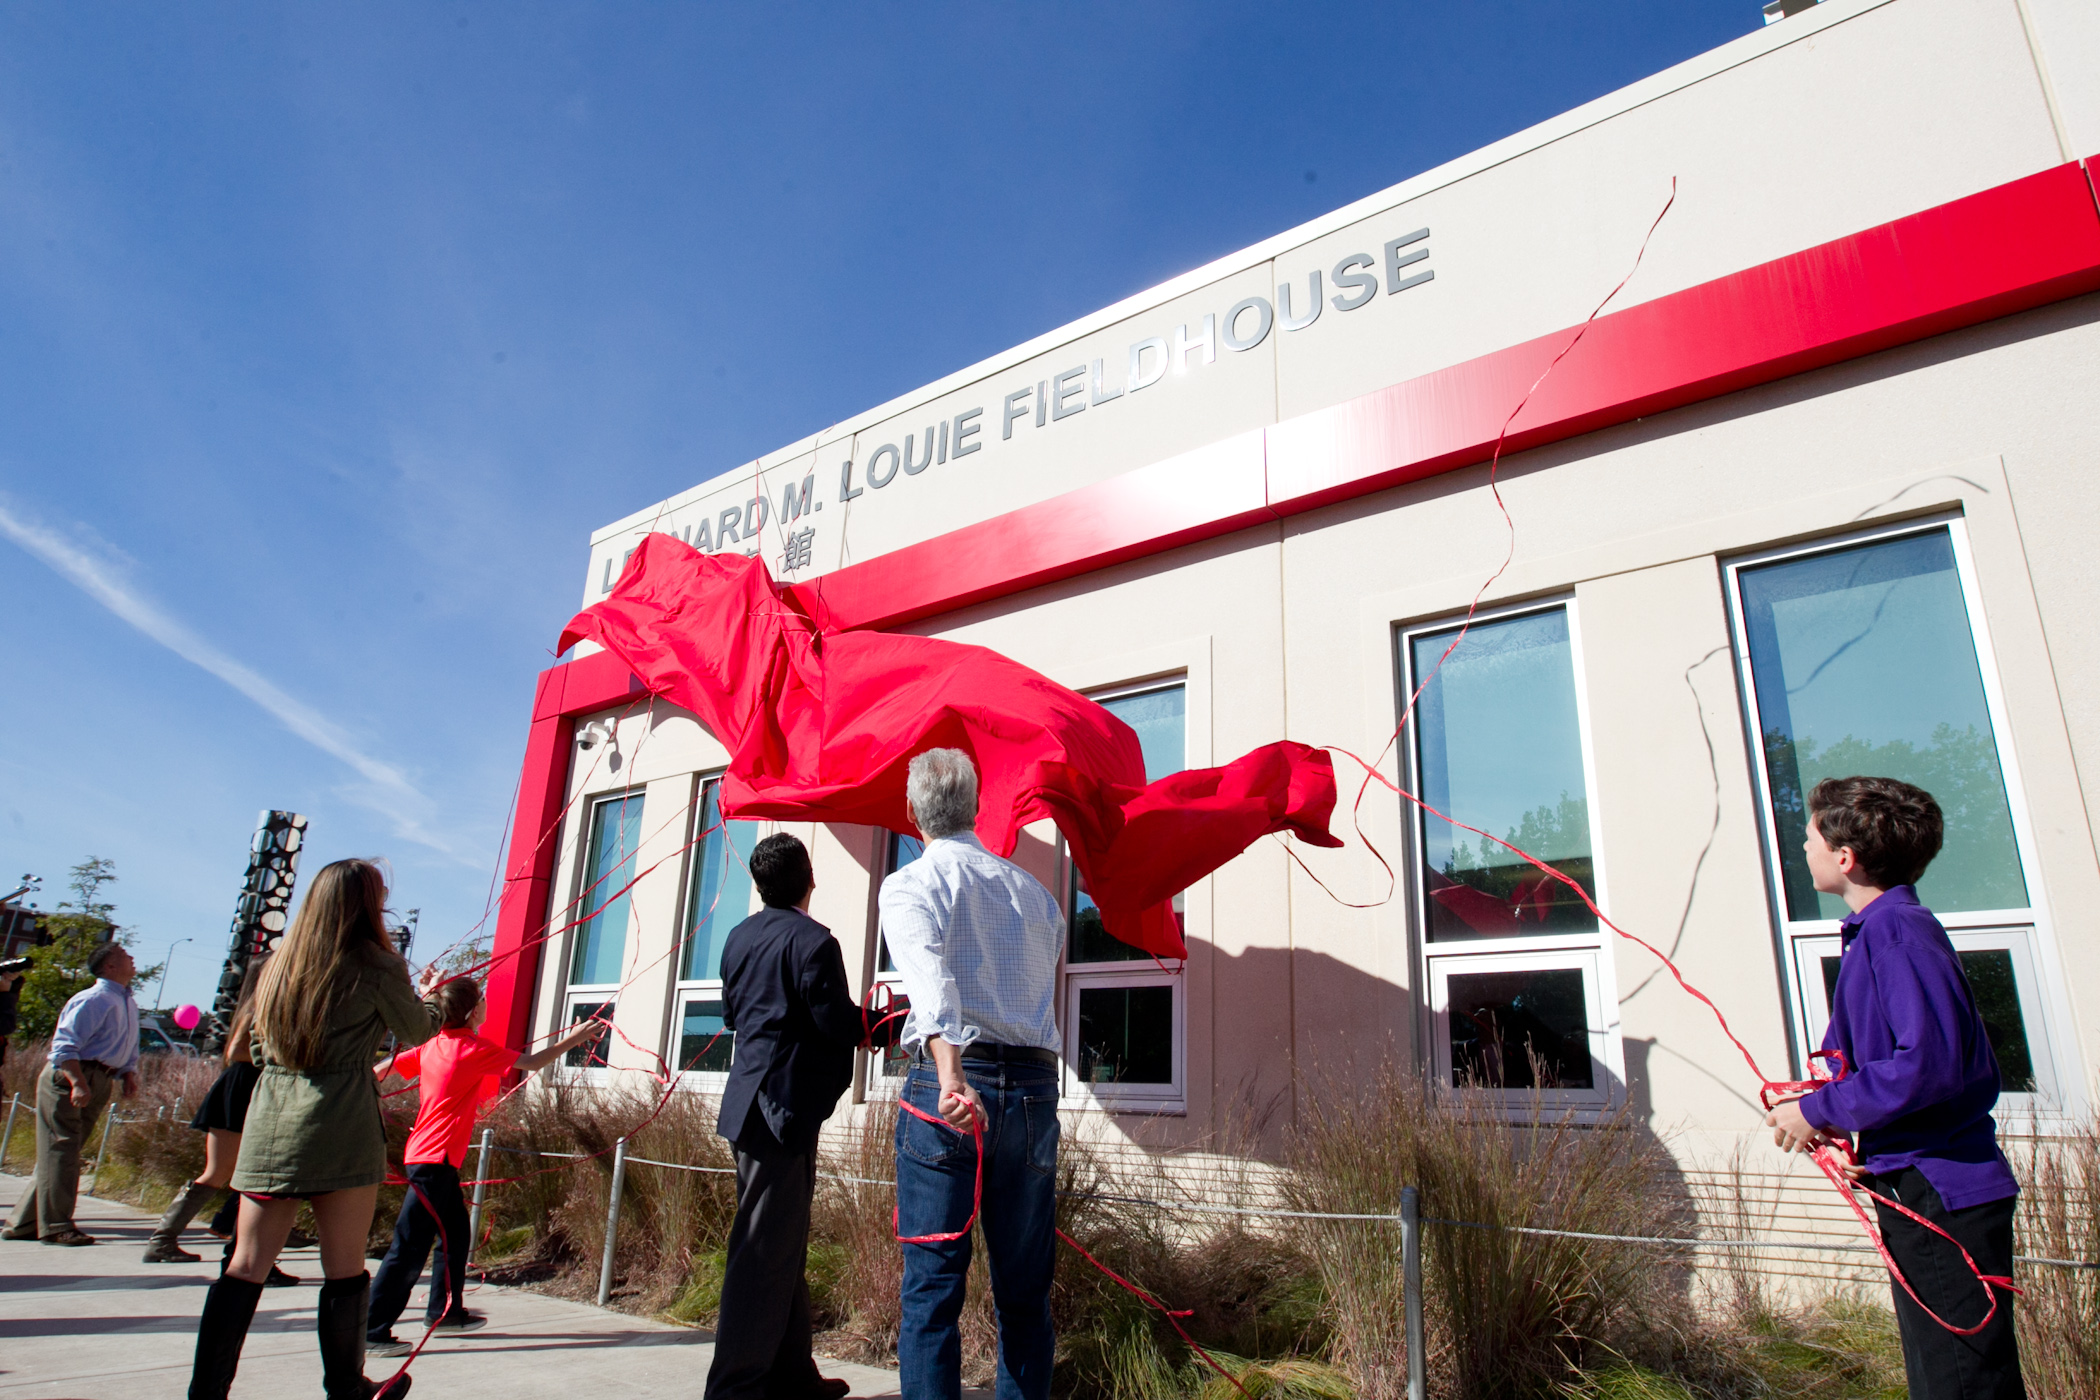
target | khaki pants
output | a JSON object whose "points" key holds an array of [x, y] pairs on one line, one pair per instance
{"points": [[62, 1130]]}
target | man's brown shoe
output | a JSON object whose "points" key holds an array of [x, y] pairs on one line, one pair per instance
{"points": [[69, 1237]]}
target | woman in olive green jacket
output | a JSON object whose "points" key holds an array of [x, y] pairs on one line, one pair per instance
{"points": [[333, 990]]}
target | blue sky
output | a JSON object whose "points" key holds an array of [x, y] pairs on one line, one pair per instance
{"points": [[328, 333]]}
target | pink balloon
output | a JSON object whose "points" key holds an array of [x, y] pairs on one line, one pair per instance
{"points": [[187, 1017]]}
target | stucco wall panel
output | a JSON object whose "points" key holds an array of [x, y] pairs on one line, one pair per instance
{"points": [[1677, 816]]}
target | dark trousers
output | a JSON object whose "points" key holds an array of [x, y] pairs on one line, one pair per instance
{"points": [[762, 1337], [414, 1232], [1942, 1366], [936, 1186]]}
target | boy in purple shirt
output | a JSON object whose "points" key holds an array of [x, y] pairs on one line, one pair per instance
{"points": [[1919, 1087]]}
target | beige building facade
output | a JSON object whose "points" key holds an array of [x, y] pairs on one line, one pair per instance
{"points": [[1834, 513]]}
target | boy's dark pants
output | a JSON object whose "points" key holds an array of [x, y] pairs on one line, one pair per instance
{"points": [[762, 1338], [1942, 1366], [414, 1232]]}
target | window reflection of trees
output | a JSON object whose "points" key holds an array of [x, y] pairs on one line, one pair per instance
{"points": [[1980, 865], [1489, 889]]}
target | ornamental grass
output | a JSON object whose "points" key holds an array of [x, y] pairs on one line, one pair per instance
{"points": [[1286, 1309]]}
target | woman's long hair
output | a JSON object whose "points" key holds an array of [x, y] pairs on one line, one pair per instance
{"points": [[340, 927]]}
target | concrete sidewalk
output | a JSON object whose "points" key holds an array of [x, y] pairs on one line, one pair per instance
{"points": [[96, 1324]]}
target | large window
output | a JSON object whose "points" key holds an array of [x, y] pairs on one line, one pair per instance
{"points": [[1124, 1012], [1516, 973], [1864, 658], [719, 896], [1499, 747], [598, 948]]}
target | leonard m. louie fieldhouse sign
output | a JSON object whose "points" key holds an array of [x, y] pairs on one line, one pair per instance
{"points": [[1250, 321]]}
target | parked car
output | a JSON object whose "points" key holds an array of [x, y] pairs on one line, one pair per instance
{"points": [[159, 1036]]}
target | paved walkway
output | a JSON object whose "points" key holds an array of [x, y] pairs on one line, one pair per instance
{"points": [[97, 1324]]}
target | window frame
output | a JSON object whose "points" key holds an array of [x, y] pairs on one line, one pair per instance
{"points": [[2017, 939], [1591, 952], [874, 1077], [571, 998], [683, 988], [593, 805], [568, 995], [1602, 1026], [1168, 1098], [1072, 978], [1793, 939]]}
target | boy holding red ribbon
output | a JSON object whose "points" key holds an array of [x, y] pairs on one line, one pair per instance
{"points": [[1917, 1086]]}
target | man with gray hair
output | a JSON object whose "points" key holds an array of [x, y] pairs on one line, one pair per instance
{"points": [[94, 1049], [976, 941]]}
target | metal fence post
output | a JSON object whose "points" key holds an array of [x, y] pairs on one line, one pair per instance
{"points": [[1411, 1289], [612, 1221], [7, 1139], [108, 1123], [481, 1186]]}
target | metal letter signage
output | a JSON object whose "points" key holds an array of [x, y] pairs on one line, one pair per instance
{"points": [[1351, 284]]}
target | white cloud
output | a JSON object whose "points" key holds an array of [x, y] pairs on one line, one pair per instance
{"points": [[384, 788]]}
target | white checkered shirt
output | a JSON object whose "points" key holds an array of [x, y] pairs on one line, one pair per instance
{"points": [[976, 940]]}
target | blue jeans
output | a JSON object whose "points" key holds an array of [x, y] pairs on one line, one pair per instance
{"points": [[936, 1171]]}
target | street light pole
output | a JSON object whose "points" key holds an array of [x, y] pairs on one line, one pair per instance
{"points": [[162, 985]]}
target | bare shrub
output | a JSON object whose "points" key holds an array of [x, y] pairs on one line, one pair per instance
{"points": [[670, 1219], [682, 1216], [2059, 1218], [1732, 1210], [863, 1299], [1508, 1314], [152, 1149], [25, 1061]]}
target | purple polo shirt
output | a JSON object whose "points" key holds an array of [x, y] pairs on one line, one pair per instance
{"points": [[1922, 1080]]}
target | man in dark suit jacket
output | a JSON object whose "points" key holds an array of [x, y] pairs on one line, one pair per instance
{"points": [[784, 995]]}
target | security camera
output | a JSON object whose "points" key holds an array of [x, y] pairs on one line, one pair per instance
{"points": [[597, 732]]}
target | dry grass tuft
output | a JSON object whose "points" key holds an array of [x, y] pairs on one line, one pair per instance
{"points": [[1509, 1315], [1291, 1310], [861, 1302], [2059, 1218]]}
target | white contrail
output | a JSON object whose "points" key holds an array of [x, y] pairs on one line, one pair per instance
{"points": [[388, 789]]}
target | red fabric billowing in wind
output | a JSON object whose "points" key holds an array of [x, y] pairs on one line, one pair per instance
{"points": [[821, 726]]}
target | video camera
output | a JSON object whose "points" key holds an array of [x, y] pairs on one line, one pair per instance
{"points": [[10, 966]]}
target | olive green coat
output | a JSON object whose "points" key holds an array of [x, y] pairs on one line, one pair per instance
{"points": [[319, 1130]]}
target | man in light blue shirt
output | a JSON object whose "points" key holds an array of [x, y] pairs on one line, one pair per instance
{"points": [[975, 940], [95, 1047]]}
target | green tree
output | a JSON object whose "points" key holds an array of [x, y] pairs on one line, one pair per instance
{"points": [[59, 968]]}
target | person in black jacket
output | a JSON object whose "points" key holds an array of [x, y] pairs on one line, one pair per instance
{"points": [[785, 997]]}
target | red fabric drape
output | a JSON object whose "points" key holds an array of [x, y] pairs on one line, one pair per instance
{"points": [[821, 725]]}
